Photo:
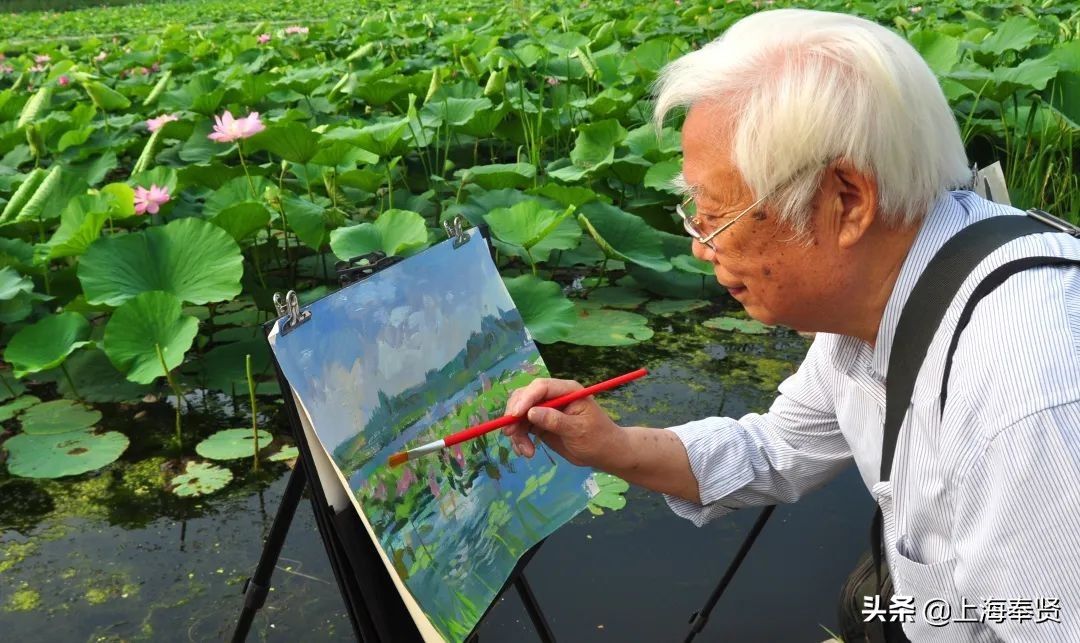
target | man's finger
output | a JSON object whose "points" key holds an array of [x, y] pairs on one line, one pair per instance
{"points": [[551, 420], [539, 390]]}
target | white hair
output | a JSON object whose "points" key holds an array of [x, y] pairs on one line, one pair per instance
{"points": [[799, 89]]}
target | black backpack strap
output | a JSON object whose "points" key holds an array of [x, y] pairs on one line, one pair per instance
{"points": [[926, 306], [989, 283]]}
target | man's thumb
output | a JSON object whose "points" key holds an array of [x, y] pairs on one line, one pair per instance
{"points": [[547, 419]]}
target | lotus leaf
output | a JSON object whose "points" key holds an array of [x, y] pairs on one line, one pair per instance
{"points": [[596, 142], [96, 379], [285, 454], [80, 225], [598, 326], [63, 454], [10, 389], [196, 261], [525, 224], [660, 176], [395, 232], [17, 406], [692, 265], [231, 444], [672, 306], [143, 324], [617, 297], [223, 367], [47, 343], [504, 175], [624, 236], [12, 283], [745, 326], [547, 313], [58, 416], [200, 478], [306, 219], [293, 142]]}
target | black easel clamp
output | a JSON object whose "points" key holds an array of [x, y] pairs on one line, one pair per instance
{"points": [[363, 266]]}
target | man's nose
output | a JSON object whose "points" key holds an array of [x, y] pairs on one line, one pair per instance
{"points": [[702, 251]]}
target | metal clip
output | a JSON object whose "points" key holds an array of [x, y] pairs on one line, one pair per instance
{"points": [[1054, 222], [279, 305], [455, 229], [293, 315]]}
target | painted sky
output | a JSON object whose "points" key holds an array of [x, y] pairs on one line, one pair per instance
{"points": [[385, 332]]}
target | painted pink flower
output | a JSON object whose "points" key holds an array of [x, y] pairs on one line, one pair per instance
{"points": [[432, 484], [154, 124], [406, 479], [296, 29], [63, 81], [101, 56], [150, 200], [228, 129], [459, 455], [380, 492], [264, 38], [42, 59]]}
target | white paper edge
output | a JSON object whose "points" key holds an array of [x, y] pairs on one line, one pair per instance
{"points": [[339, 497]]}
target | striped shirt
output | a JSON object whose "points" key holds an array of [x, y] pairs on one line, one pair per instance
{"points": [[983, 509]]}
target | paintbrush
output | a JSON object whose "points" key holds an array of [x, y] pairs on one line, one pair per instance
{"points": [[480, 429]]}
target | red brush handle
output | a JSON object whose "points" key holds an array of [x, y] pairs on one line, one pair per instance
{"points": [[562, 400]]}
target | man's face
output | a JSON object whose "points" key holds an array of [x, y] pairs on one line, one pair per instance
{"points": [[777, 280]]}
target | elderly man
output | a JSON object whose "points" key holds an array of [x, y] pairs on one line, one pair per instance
{"points": [[821, 166]]}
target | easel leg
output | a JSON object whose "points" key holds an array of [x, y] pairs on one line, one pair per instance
{"points": [[532, 606], [258, 586]]}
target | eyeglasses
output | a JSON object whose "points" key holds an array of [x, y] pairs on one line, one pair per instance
{"points": [[699, 229]]}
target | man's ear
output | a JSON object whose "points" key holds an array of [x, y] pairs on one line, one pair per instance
{"points": [[856, 202]]}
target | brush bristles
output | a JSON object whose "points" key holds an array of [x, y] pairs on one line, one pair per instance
{"points": [[399, 459]]}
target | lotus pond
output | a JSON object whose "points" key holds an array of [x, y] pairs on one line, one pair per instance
{"points": [[166, 168]]}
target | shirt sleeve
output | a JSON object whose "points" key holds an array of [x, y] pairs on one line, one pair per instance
{"points": [[763, 459], [1018, 527]]}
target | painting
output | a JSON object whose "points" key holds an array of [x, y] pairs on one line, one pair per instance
{"points": [[422, 349]]}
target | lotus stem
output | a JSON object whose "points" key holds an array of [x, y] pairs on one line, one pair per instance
{"points": [[176, 391], [254, 413], [243, 164], [71, 382]]}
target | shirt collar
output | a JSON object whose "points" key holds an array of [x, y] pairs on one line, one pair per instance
{"points": [[949, 214]]}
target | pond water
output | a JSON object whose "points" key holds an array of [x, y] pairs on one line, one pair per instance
{"points": [[109, 556]]}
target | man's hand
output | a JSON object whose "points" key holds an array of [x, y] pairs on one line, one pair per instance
{"points": [[581, 432]]}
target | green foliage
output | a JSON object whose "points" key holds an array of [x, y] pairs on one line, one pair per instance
{"points": [[58, 416], [200, 479], [47, 343], [140, 327], [232, 444], [63, 454], [744, 326]]}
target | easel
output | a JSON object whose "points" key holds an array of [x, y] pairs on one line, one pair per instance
{"points": [[372, 601], [375, 610]]}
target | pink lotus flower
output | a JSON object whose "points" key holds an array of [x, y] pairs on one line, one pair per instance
{"points": [[154, 124], [228, 129], [101, 56], [295, 29], [150, 200], [264, 38], [42, 59], [63, 81], [37, 68], [552, 81], [6, 69], [915, 9]]}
